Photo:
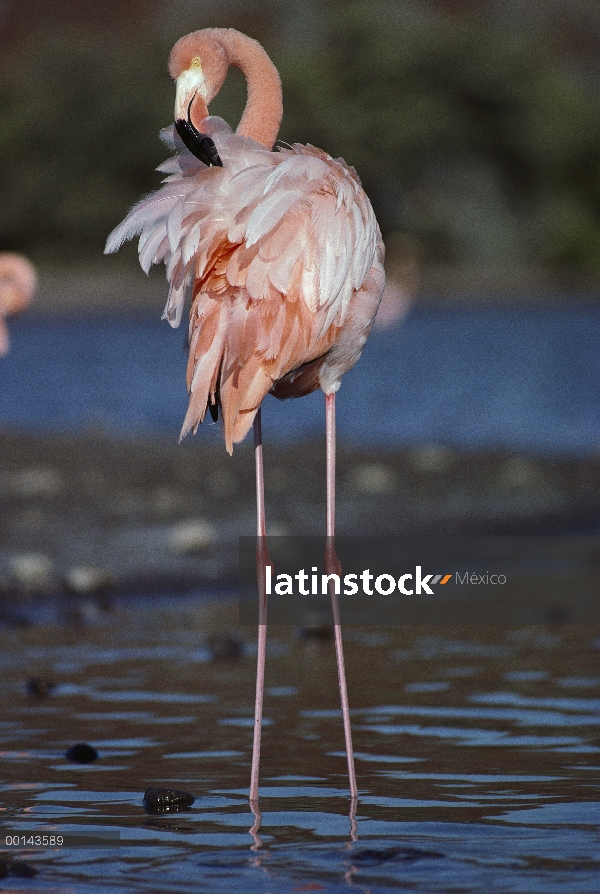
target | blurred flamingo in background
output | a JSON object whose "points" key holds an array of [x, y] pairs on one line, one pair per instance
{"points": [[401, 283], [285, 260], [394, 307], [18, 281]]}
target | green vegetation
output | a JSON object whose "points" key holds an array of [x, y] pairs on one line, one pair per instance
{"points": [[468, 135], [78, 141]]}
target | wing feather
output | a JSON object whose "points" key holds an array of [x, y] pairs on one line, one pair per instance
{"points": [[285, 258], [267, 213], [149, 245], [294, 207]]}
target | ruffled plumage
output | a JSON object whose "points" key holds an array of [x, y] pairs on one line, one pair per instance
{"points": [[285, 261]]}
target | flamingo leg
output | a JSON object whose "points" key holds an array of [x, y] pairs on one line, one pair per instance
{"points": [[262, 559], [333, 566]]}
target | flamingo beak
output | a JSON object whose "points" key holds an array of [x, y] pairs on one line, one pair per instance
{"points": [[191, 90]]}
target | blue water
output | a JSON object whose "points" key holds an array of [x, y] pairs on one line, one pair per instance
{"points": [[477, 758], [514, 376]]}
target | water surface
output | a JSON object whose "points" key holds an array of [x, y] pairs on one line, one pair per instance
{"points": [[477, 755], [524, 377]]}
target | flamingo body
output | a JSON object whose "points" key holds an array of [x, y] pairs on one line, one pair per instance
{"points": [[284, 258], [285, 261], [18, 281]]}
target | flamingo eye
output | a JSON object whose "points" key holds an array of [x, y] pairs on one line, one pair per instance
{"points": [[196, 63]]}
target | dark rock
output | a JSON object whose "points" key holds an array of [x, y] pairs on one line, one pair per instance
{"points": [[224, 647], [82, 753], [39, 687], [17, 868], [166, 800]]}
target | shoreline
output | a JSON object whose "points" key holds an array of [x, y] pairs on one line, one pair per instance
{"points": [[96, 290], [90, 516]]}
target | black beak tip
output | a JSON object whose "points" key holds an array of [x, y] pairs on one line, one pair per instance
{"points": [[199, 144]]}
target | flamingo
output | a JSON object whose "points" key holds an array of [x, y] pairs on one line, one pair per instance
{"points": [[18, 282], [285, 261]]}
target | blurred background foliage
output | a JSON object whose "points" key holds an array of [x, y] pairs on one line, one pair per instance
{"points": [[475, 126]]}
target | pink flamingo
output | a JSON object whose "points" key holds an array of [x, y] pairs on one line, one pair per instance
{"points": [[18, 282], [285, 260]]}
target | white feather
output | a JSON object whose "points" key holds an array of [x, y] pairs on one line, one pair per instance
{"points": [[149, 244], [333, 233], [268, 213]]}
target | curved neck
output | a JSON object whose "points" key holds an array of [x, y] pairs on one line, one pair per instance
{"points": [[264, 107]]}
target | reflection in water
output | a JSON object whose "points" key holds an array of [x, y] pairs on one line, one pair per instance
{"points": [[477, 755], [254, 828]]}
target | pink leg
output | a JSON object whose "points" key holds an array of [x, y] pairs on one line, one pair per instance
{"points": [[262, 559], [333, 564]]}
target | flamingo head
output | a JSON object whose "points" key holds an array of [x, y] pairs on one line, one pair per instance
{"points": [[198, 64]]}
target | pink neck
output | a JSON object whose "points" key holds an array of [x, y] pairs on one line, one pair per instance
{"points": [[264, 107]]}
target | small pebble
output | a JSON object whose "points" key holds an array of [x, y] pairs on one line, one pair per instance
{"points": [[192, 536], [433, 458], [276, 529], [374, 479], [87, 579], [40, 687], [82, 753], [520, 472], [166, 800], [37, 481], [33, 571]]}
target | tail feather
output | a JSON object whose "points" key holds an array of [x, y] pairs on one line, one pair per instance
{"points": [[223, 368], [204, 363], [254, 384], [242, 389], [242, 348]]}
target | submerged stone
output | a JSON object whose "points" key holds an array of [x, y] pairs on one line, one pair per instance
{"points": [[40, 687], [82, 753], [17, 868], [166, 800], [224, 647]]}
